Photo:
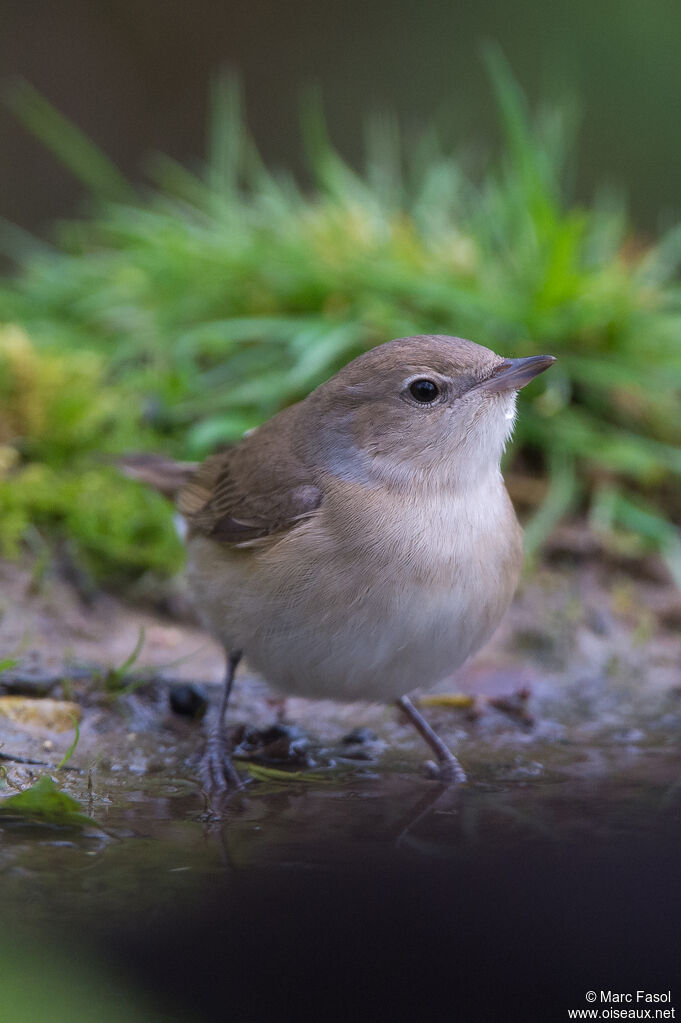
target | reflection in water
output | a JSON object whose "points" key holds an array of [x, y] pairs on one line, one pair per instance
{"points": [[373, 898]]}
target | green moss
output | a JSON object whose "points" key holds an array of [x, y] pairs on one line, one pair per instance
{"points": [[119, 529], [58, 418]]}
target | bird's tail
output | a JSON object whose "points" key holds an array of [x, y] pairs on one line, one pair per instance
{"points": [[157, 471]]}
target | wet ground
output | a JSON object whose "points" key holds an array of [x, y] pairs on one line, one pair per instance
{"points": [[342, 883]]}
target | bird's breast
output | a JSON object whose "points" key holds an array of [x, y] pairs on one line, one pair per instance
{"points": [[371, 599], [373, 596], [422, 538]]}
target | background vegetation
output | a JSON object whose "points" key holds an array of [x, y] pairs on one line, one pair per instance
{"points": [[175, 317]]}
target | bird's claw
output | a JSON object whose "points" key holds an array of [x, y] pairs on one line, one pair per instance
{"points": [[447, 772], [218, 774]]}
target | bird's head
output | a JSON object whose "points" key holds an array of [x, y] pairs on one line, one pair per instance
{"points": [[429, 408]]}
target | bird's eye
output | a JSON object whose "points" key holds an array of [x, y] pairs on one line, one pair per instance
{"points": [[424, 391]]}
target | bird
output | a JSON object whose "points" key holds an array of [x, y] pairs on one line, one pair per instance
{"points": [[361, 543]]}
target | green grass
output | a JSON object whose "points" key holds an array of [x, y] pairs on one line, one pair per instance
{"points": [[183, 313]]}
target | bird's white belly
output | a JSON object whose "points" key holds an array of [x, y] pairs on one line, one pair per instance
{"points": [[377, 649], [386, 616]]}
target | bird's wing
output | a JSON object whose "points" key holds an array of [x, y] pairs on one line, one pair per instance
{"points": [[253, 490], [157, 471]]}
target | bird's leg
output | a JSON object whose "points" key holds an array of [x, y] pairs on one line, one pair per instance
{"points": [[218, 773], [449, 769]]}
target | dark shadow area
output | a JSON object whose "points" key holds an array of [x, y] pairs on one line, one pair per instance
{"points": [[384, 901], [502, 936]]}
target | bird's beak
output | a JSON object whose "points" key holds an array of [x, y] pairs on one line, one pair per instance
{"points": [[512, 374]]}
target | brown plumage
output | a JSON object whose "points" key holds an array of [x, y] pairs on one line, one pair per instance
{"points": [[163, 474], [361, 543], [252, 490]]}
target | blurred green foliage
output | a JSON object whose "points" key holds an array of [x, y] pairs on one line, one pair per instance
{"points": [[46, 976], [178, 317], [59, 417]]}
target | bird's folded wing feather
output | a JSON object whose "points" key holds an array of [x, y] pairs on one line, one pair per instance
{"points": [[157, 471], [254, 490]]}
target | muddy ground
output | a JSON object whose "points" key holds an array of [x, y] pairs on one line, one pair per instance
{"points": [[585, 671], [342, 883]]}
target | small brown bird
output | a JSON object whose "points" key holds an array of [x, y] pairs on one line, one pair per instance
{"points": [[361, 543]]}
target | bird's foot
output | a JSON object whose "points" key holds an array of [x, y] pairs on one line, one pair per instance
{"points": [[218, 775], [447, 772]]}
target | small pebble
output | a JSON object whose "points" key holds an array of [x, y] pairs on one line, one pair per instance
{"points": [[188, 700], [358, 735], [28, 683], [57, 715], [275, 732], [284, 751]]}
